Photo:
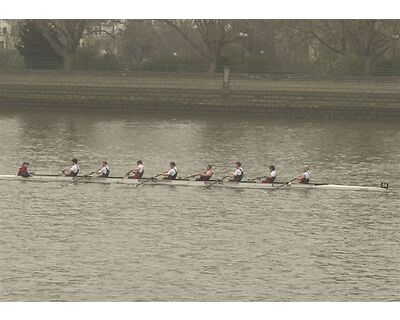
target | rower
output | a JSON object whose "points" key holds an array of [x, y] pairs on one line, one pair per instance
{"points": [[272, 175], [206, 175], [238, 173], [305, 176], [138, 172], [104, 172], [172, 173], [23, 170], [73, 172]]}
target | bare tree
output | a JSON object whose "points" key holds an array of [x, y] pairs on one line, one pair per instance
{"points": [[371, 39], [365, 40], [64, 36], [138, 41], [261, 38], [213, 36]]}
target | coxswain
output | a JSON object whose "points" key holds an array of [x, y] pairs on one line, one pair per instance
{"points": [[23, 170], [206, 175], [272, 175], [104, 172], [73, 172], [238, 173], [305, 176], [138, 172], [171, 173]]}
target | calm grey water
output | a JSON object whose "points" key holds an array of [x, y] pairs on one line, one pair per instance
{"points": [[116, 243]]}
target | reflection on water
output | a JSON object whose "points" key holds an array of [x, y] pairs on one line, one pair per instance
{"points": [[118, 243]]}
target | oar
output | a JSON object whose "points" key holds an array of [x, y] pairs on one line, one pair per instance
{"points": [[285, 184], [193, 175], [46, 175], [258, 178], [147, 180], [85, 176], [216, 181], [127, 174]]}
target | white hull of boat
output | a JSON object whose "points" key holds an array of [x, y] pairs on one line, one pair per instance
{"points": [[191, 183]]}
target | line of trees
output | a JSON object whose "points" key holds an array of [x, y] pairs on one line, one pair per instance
{"points": [[359, 46]]}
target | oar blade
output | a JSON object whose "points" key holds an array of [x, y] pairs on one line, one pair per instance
{"points": [[147, 180]]}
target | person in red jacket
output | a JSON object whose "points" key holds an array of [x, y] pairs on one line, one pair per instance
{"points": [[23, 170]]}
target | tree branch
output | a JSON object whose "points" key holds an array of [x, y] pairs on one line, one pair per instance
{"points": [[186, 37]]}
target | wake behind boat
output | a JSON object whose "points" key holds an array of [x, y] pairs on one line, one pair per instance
{"points": [[191, 183]]}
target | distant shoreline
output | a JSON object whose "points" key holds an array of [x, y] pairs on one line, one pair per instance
{"points": [[201, 93]]}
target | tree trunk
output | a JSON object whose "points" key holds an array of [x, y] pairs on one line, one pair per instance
{"points": [[368, 64], [67, 60], [212, 58], [212, 65]]}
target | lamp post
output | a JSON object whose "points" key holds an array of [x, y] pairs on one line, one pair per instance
{"points": [[175, 60], [243, 36]]}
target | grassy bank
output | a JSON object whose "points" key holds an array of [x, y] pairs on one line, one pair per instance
{"points": [[198, 93]]}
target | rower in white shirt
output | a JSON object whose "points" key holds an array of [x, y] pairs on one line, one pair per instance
{"points": [[238, 173], [305, 177], [138, 172], [104, 172], [73, 172], [272, 175], [171, 173]]}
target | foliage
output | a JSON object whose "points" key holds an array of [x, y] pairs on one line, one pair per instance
{"points": [[64, 36], [35, 48], [138, 42], [365, 42], [11, 59], [389, 66], [86, 59], [302, 46], [209, 36], [89, 58]]}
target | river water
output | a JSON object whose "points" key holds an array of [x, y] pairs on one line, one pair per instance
{"points": [[117, 243]]}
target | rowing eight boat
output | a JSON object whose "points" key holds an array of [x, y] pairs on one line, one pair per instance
{"points": [[191, 183]]}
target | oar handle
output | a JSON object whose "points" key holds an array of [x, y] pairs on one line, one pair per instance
{"points": [[128, 173], [85, 176], [89, 174], [216, 181], [47, 175], [285, 184], [193, 175], [257, 178]]}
